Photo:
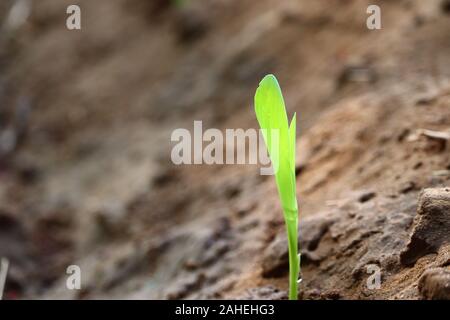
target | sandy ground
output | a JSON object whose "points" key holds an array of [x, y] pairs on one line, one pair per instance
{"points": [[86, 177]]}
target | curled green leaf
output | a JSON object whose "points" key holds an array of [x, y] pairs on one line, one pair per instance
{"points": [[280, 138]]}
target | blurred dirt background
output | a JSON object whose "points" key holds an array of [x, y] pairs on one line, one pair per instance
{"points": [[85, 170]]}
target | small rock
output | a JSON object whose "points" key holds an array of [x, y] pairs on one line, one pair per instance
{"points": [[434, 284], [275, 260], [432, 225]]}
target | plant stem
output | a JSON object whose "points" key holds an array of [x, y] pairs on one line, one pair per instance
{"points": [[294, 261]]}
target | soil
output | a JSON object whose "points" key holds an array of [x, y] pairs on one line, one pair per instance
{"points": [[85, 170]]}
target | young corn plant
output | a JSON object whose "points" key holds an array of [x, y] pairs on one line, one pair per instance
{"points": [[280, 138]]}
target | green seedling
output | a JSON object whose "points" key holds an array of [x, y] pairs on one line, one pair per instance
{"points": [[280, 142]]}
